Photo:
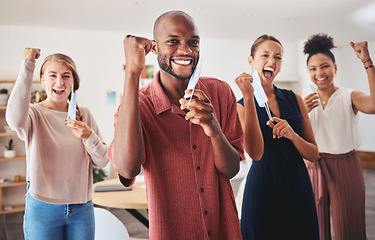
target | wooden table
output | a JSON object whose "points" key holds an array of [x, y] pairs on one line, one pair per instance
{"points": [[130, 200]]}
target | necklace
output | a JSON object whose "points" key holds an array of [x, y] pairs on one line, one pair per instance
{"points": [[329, 94]]}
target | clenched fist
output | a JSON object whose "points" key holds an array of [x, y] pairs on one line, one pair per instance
{"points": [[31, 54], [136, 49], [244, 81]]}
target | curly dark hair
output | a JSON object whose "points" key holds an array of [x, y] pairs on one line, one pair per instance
{"points": [[319, 43]]}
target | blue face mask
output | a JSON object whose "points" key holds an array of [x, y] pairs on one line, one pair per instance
{"points": [[259, 93], [72, 105], [194, 79], [310, 88]]}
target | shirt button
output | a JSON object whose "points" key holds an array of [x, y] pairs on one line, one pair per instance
{"points": [[194, 146], [198, 168], [201, 189], [205, 212], [209, 233]]}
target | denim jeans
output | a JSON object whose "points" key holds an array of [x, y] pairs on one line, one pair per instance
{"points": [[46, 221]]}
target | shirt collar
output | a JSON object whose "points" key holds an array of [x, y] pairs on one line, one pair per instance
{"points": [[160, 100]]}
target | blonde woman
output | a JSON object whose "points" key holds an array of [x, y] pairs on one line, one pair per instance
{"points": [[60, 152]]}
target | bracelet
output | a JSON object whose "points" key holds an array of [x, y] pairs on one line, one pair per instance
{"points": [[371, 66], [367, 60]]}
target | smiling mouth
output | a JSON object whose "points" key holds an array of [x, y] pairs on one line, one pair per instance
{"points": [[321, 79], [268, 72], [58, 91], [184, 62]]}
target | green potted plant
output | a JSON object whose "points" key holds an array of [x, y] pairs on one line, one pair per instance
{"points": [[3, 96], [98, 174], [9, 150]]}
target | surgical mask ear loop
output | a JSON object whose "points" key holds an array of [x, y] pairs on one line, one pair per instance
{"points": [[190, 98], [252, 70]]}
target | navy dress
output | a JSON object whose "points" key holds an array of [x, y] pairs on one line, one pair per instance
{"points": [[278, 200]]}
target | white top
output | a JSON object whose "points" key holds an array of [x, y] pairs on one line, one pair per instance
{"points": [[335, 127], [57, 167]]}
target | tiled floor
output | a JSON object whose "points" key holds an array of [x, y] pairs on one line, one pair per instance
{"points": [[11, 224]]}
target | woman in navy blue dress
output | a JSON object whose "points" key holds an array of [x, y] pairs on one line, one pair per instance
{"points": [[278, 200]]}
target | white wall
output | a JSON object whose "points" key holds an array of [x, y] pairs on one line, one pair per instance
{"points": [[99, 58], [351, 73]]}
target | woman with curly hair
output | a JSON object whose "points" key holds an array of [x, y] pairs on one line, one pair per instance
{"points": [[337, 177]]}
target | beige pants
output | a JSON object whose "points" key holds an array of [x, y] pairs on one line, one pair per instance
{"points": [[337, 181]]}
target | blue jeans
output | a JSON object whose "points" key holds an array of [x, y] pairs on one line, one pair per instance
{"points": [[45, 221]]}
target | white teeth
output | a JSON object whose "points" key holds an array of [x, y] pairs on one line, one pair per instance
{"points": [[321, 79], [182, 62], [58, 91], [269, 69]]}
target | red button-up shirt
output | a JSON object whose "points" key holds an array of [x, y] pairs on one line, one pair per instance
{"points": [[187, 197]]}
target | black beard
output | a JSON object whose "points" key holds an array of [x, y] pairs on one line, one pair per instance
{"points": [[167, 68]]}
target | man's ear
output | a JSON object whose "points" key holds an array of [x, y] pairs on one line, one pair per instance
{"points": [[154, 47]]}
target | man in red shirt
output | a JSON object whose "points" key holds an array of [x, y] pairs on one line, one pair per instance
{"points": [[188, 158]]}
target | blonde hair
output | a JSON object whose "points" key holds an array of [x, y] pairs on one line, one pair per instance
{"points": [[62, 58]]}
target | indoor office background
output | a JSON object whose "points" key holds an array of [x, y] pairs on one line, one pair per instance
{"points": [[91, 32]]}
